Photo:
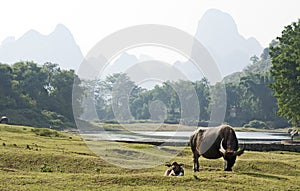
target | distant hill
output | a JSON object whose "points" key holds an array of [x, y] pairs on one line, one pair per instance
{"points": [[189, 70], [121, 64], [218, 32], [263, 66], [57, 47]]}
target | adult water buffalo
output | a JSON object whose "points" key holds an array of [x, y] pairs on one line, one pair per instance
{"points": [[214, 143]]}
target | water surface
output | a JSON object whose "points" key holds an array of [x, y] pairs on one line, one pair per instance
{"points": [[182, 136]]}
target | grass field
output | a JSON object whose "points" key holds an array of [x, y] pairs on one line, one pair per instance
{"points": [[41, 159]]}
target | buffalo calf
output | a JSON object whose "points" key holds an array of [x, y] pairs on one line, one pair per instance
{"points": [[175, 169]]}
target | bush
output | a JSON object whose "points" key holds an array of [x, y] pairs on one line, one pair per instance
{"points": [[45, 168], [278, 123], [55, 120], [256, 124], [171, 121], [25, 117], [203, 123], [45, 132], [110, 121]]}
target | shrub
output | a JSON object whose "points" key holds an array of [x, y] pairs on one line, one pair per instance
{"points": [[45, 132], [203, 123], [256, 124], [45, 168], [55, 120]]}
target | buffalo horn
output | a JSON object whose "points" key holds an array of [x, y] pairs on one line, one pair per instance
{"points": [[222, 150], [239, 152]]}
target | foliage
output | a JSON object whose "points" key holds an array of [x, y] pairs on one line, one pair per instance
{"points": [[45, 132], [262, 66], [118, 98], [42, 96], [249, 96], [286, 72], [36, 95], [46, 168], [256, 124], [259, 96], [252, 99], [55, 121]]}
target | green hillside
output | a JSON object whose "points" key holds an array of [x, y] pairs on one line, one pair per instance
{"points": [[42, 159], [261, 67]]}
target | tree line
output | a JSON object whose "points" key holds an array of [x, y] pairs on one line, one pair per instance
{"points": [[42, 96], [249, 99]]}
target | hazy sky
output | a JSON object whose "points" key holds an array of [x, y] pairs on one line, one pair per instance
{"points": [[92, 20]]}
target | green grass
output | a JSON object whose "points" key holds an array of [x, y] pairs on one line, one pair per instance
{"points": [[31, 159]]}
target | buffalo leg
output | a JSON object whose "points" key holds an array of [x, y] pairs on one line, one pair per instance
{"points": [[196, 162]]}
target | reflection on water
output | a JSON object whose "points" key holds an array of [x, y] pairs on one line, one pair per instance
{"points": [[180, 136]]}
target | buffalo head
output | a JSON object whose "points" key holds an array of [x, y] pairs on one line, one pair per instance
{"points": [[229, 156], [175, 169]]}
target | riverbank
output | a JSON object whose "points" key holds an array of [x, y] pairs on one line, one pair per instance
{"points": [[164, 127], [248, 146], [271, 147]]}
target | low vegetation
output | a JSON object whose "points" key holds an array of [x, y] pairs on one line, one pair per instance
{"points": [[61, 161]]}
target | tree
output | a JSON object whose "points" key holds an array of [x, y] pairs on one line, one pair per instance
{"points": [[265, 55], [202, 89], [168, 95], [234, 114], [28, 84], [258, 96], [61, 97], [218, 103], [254, 59], [5, 79], [286, 72], [139, 106], [6, 86], [113, 97], [187, 101]]}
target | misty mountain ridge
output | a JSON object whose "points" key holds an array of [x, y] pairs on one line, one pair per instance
{"points": [[57, 47], [216, 31]]}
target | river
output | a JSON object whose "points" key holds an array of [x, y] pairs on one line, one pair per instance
{"points": [[181, 136]]}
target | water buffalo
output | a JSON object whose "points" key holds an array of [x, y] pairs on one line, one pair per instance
{"points": [[4, 119], [175, 169], [214, 143], [293, 133]]}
